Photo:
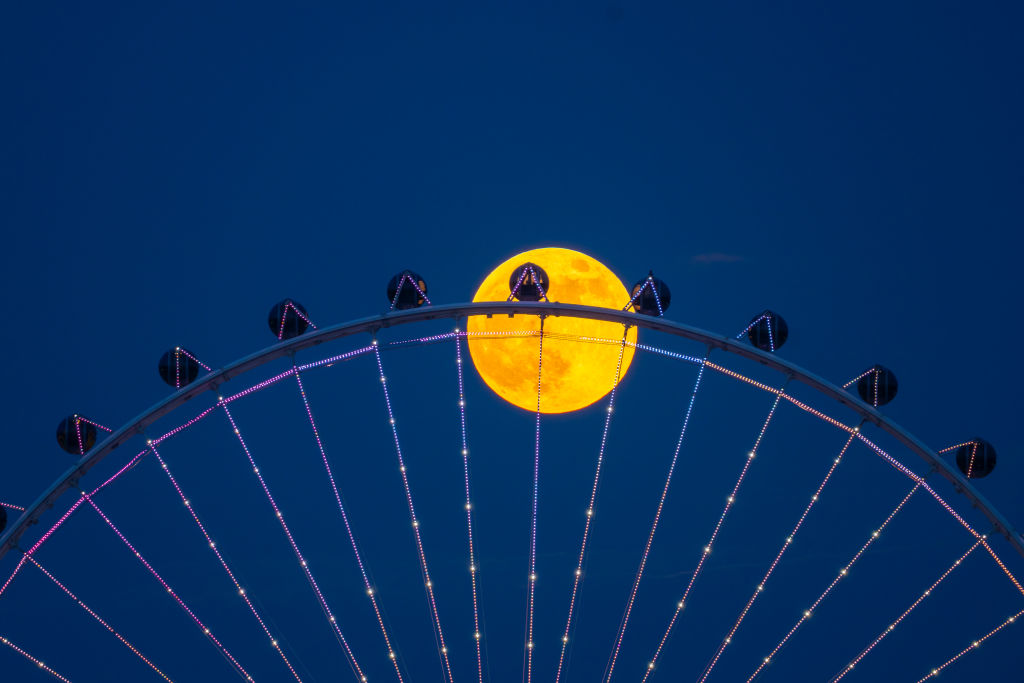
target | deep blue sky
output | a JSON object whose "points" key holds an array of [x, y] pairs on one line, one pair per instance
{"points": [[168, 174]]}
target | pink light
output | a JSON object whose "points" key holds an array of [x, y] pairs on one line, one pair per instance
{"points": [[654, 524], [348, 528], [469, 507], [170, 591], [775, 562], [973, 646], [842, 573], [714, 535], [213, 546], [578, 574], [429, 585], [531, 582], [97, 617], [32, 659], [13, 507], [298, 553], [903, 616]]}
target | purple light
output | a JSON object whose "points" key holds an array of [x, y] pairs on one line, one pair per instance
{"points": [[348, 528], [428, 583], [298, 553], [654, 526], [170, 591], [224, 564], [577, 577]]}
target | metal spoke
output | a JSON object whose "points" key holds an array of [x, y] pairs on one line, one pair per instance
{"points": [[300, 558], [610, 669], [223, 563], [427, 582]]}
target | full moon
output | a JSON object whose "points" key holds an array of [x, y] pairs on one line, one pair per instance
{"points": [[575, 373]]}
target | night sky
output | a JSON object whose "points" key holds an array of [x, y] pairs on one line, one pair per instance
{"points": [[168, 174]]}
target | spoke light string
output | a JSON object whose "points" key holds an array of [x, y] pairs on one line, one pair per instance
{"points": [[32, 659], [469, 505], [590, 506], [775, 563], [531, 579], [64, 518], [170, 591], [428, 583], [220, 558], [842, 574], [654, 526], [973, 646], [97, 617], [370, 592], [298, 553], [709, 546], [873, 446], [894, 624], [12, 507]]}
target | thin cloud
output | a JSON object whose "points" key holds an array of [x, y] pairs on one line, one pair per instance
{"points": [[717, 257]]}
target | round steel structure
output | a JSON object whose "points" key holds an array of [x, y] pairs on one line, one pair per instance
{"points": [[214, 380]]}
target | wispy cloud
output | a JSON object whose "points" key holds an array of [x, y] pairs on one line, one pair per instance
{"points": [[717, 257]]}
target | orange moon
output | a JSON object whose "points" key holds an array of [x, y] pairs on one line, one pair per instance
{"points": [[574, 373]]}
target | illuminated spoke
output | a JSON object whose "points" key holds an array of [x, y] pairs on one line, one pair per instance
{"points": [[899, 619], [477, 635], [775, 563], [32, 659], [973, 646], [65, 516], [427, 582], [298, 553], [12, 507], [370, 592], [654, 526], [220, 558], [531, 579], [97, 617], [578, 577], [751, 454], [842, 573], [170, 591]]}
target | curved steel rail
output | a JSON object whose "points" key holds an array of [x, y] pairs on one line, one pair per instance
{"points": [[511, 308]]}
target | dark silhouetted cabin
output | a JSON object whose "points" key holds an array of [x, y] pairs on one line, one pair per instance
{"points": [[3, 518], [768, 331], [529, 282], [287, 319], [650, 296], [407, 290], [178, 367], [976, 459], [75, 435], [877, 386]]}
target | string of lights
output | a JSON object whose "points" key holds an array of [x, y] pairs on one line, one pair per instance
{"points": [[856, 660], [709, 546], [300, 558], [368, 587], [531, 581], [428, 583], [170, 591], [973, 646], [775, 563], [835, 581], [89, 610], [223, 563], [589, 516], [469, 506], [654, 526], [38, 662]]}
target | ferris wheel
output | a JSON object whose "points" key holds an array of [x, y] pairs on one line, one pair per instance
{"points": [[606, 495]]}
